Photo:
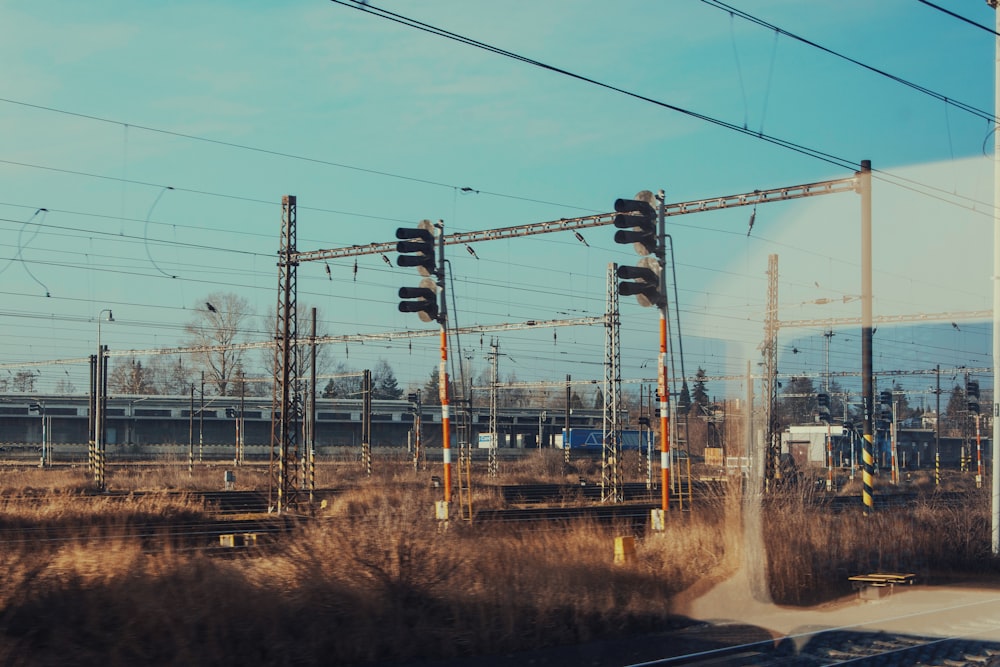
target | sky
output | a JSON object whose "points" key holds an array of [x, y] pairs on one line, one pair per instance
{"points": [[161, 138]]}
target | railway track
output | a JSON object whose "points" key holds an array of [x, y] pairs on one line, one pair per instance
{"points": [[969, 642]]}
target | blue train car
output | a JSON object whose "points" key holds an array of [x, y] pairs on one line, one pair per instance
{"points": [[589, 438]]}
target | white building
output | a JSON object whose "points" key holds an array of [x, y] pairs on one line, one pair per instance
{"points": [[807, 444]]}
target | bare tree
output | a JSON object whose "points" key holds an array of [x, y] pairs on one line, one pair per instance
{"points": [[131, 377], [24, 381], [173, 377], [345, 383], [63, 386], [219, 325], [324, 353]]}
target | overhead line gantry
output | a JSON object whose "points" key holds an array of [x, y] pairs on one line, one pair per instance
{"points": [[600, 219], [289, 258]]}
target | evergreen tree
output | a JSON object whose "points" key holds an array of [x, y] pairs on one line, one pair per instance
{"points": [[430, 394], [384, 384], [699, 396], [330, 390], [799, 406], [903, 410], [684, 400], [956, 405], [598, 399]]}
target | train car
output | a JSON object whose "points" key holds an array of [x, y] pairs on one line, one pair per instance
{"points": [[589, 438]]}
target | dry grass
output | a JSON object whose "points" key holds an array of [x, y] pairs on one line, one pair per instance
{"points": [[376, 579], [812, 552]]}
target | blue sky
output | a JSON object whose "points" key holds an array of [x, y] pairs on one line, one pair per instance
{"points": [[373, 125]]}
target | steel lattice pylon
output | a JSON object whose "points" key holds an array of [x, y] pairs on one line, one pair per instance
{"points": [[770, 351], [494, 383], [611, 460], [285, 405]]}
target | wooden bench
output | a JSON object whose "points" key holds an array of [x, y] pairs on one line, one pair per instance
{"points": [[877, 584]]}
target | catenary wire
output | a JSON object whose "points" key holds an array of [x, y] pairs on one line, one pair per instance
{"points": [[733, 11]]}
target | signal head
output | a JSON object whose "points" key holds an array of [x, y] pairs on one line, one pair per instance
{"points": [[420, 242], [425, 304]]}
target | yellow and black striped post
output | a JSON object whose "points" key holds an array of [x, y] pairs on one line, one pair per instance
{"points": [[867, 378]]}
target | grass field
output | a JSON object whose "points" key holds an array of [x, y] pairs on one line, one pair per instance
{"points": [[374, 578]]}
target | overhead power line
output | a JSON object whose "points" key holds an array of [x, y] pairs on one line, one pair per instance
{"points": [[960, 18], [784, 143], [986, 115], [830, 158], [271, 152]]}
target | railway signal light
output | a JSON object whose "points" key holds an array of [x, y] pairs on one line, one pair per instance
{"points": [[642, 282], [417, 248], [972, 396], [425, 304], [639, 230], [823, 401], [885, 405]]}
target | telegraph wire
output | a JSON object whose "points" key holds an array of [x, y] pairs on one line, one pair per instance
{"points": [[145, 232], [18, 256], [132, 238], [23, 224], [204, 193], [830, 158], [276, 153], [718, 4], [959, 17]]}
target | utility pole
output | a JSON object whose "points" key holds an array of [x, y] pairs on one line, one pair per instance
{"points": [[867, 378], [566, 438], [191, 433], [937, 431], [241, 440], [828, 334], [312, 411], [201, 421], [995, 485], [366, 422]]}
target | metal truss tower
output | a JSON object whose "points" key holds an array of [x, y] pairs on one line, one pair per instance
{"points": [[494, 384], [612, 488], [772, 446], [286, 404]]}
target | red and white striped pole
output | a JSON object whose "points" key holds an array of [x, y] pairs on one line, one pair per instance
{"points": [[445, 418], [663, 385], [443, 373], [664, 394]]}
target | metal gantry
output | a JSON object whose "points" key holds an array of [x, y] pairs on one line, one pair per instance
{"points": [[772, 446], [286, 404], [286, 386], [494, 384], [602, 219], [612, 486]]}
